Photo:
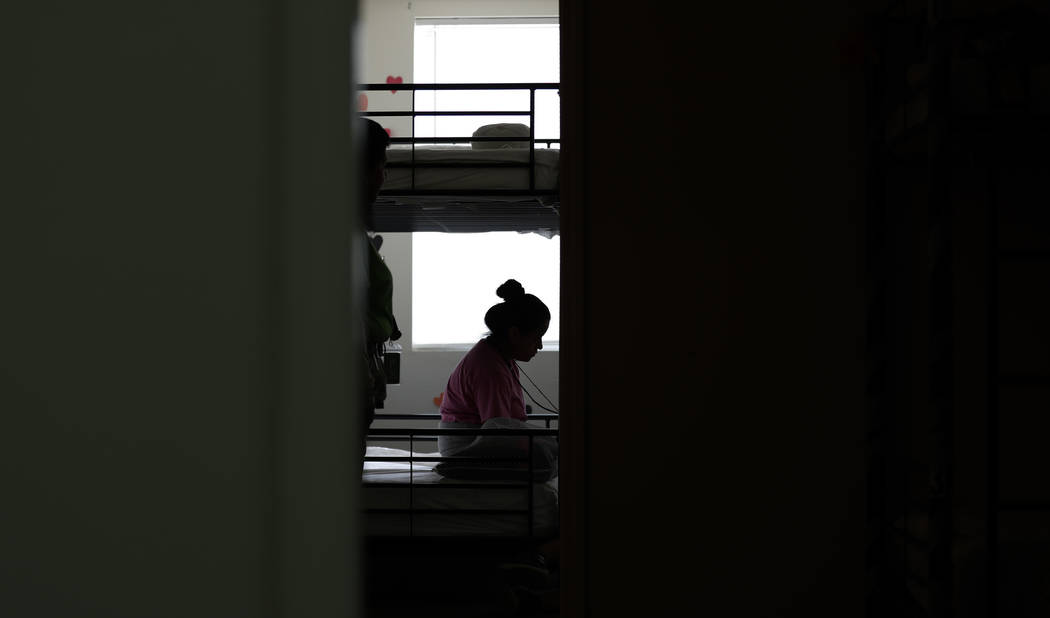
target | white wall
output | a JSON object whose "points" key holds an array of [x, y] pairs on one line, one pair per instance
{"points": [[386, 27], [385, 49], [386, 34]]}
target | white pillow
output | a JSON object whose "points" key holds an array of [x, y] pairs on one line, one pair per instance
{"points": [[503, 129]]}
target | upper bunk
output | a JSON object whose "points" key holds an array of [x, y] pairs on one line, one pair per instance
{"points": [[501, 177]]}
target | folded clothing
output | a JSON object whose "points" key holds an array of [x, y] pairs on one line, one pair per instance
{"points": [[544, 456]]}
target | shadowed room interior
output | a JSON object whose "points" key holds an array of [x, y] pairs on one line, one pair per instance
{"points": [[803, 354]]}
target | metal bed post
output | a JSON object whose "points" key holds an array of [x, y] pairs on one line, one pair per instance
{"points": [[532, 138], [531, 487], [399, 211], [411, 487], [412, 181], [410, 435]]}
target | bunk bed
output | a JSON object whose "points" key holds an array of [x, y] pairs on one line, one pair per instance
{"points": [[959, 113], [419, 519], [420, 522], [503, 177], [407, 494]]}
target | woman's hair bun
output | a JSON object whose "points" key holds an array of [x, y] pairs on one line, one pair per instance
{"points": [[518, 309], [510, 289]]}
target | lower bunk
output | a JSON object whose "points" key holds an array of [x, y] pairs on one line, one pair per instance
{"points": [[472, 541]]}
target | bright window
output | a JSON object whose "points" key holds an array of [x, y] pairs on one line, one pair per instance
{"points": [[455, 276], [470, 51]]}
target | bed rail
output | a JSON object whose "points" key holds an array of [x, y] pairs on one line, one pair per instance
{"points": [[546, 417], [413, 140], [412, 435], [504, 192]]}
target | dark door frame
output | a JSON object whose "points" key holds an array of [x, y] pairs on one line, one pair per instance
{"points": [[573, 378]]}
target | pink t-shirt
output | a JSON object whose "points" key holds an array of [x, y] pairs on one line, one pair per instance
{"points": [[484, 385]]}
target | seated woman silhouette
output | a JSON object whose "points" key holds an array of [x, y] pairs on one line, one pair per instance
{"points": [[485, 383], [484, 388]]}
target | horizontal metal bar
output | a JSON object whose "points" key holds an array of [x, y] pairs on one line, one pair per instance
{"points": [[464, 226], [457, 140], [441, 459], [443, 485], [446, 538], [405, 431], [402, 114], [536, 141], [441, 21], [522, 512], [463, 86], [485, 165], [437, 416], [534, 210], [467, 193]]}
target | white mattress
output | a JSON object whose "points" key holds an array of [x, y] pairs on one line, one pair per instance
{"points": [[429, 491], [470, 178]]}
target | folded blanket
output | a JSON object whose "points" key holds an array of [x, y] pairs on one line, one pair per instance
{"points": [[544, 456]]}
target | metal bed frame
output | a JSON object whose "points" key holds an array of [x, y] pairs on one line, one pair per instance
{"points": [[395, 561], [466, 210], [413, 435]]}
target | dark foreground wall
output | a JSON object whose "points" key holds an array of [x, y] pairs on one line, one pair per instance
{"points": [[718, 213], [173, 349]]}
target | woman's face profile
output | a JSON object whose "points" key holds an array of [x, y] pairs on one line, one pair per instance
{"points": [[525, 344]]}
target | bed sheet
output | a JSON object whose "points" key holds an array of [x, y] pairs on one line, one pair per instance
{"points": [[427, 213], [427, 492], [470, 178]]}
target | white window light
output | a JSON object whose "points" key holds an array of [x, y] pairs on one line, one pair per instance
{"points": [[455, 276], [486, 50]]}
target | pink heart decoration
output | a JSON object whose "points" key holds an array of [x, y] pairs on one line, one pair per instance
{"points": [[388, 132], [362, 102], [390, 79]]}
